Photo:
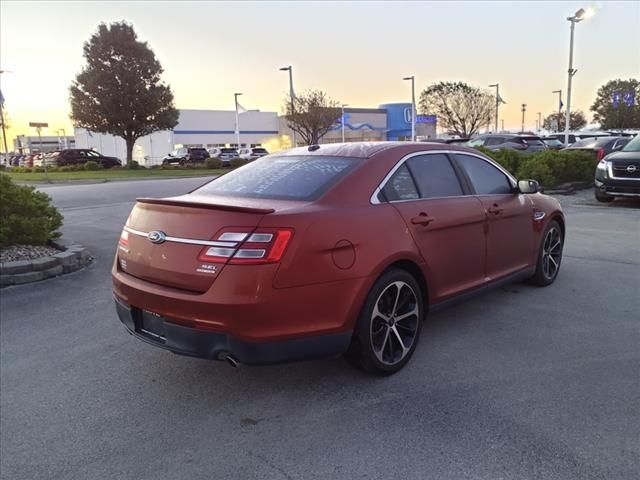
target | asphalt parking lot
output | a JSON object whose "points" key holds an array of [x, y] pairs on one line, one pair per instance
{"points": [[521, 383]]}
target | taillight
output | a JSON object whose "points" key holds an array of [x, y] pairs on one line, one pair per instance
{"points": [[124, 237], [599, 154], [239, 246]]}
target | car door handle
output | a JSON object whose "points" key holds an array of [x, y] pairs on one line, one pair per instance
{"points": [[422, 219], [495, 209]]}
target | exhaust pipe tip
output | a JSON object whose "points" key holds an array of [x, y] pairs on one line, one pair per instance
{"points": [[229, 358]]}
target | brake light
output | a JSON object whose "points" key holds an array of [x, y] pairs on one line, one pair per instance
{"points": [[599, 154], [239, 246], [124, 237]]}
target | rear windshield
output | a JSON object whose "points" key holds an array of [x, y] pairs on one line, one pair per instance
{"points": [[593, 142], [552, 141], [282, 177], [259, 150], [228, 150]]}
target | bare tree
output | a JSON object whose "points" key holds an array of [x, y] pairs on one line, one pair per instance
{"points": [[461, 109], [313, 116]]}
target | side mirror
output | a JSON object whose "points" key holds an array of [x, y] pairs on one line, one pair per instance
{"points": [[528, 186]]}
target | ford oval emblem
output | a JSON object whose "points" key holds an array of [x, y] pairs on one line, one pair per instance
{"points": [[156, 236]]}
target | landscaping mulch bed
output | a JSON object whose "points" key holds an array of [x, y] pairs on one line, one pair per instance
{"points": [[25, 252]]}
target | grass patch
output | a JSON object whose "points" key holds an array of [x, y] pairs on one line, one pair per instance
{"points": [[113, 174]]}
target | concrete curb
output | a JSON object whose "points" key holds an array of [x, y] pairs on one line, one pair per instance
{"points": [[567, 188], [71, 258]]}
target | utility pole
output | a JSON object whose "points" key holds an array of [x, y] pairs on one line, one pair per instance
{"points": [[539, 121], [524, 109], [502, 124], [4, 131]]}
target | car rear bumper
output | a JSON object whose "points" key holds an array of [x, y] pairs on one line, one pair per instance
{"points": [[165, 333]]}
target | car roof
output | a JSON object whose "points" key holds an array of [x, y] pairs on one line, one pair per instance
{"points": [[369, 149]]}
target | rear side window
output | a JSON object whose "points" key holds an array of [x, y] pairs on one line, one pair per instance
{"points": [[401, 186], [434, 176], [486, 179], [282, 177]]}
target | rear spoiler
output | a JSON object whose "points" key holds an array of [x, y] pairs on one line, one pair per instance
{"points": [[212, 206]]}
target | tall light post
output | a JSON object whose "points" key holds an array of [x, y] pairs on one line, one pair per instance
{"points": [[235, 97], [577, 17], [342, 121], [498, 100], [291, 97], [413, 106], [4, 131], [524, 109], [539, 121]]}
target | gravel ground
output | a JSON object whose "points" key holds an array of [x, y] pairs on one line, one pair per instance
{"points": [[25, 252]]}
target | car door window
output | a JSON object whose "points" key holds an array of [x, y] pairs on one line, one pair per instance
{"points": [[478, 142], [493, 141], [93, 154], [400, 186], [485, 178], [434, 176]]}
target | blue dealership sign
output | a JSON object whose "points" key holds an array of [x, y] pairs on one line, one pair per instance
{"points": [[426, 119]]}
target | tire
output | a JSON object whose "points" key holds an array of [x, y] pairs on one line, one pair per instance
{"points": [[603, 197], [549, 255], [382, 344]]}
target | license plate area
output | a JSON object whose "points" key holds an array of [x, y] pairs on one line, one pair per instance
{"points": [[152, 325]]}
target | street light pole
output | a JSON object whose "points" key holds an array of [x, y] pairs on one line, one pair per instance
{"points": [[291, 98], [413, 106], [497, 85], [539, 121], [577, 17], [559, 92], [342, 121], [235, 97], [524, 109]]}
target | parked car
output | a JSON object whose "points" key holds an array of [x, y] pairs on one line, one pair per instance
{"points": [[618, 174], [448, 141], [49, 159], [506, 141], [226, 154], [576, 136], [252, 153], [27, 160], [79, 156], [553, 143], [600, 146], [328, 249], [186, 155]]}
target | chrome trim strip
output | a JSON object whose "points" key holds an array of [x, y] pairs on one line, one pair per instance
{"points": [[189, 241], [616, 194], [612, 177], [374, 197]]}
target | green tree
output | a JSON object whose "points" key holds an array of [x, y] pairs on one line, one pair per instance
{"points": [[555, 122], [620, 116], [313, 116], [461, 108], [119, 90]]}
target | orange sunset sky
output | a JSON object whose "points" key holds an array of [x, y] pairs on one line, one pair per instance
{"points": [[357, 52]]}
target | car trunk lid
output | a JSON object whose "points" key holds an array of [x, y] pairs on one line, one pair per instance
{"points": [[165, 237]]}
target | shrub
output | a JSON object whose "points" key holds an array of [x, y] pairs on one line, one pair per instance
{"points": [[27, 215], [133, 165], [169, 167], [550, 168], [213, 163], [91, 165], [237, 162], [71, 168]]}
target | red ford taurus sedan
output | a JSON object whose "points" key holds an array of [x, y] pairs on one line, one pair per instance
{"points": [[329, 249]]}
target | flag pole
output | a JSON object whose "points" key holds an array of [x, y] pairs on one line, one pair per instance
{"points": [[236, 95]]}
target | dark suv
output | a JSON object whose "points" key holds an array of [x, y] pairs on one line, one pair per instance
{"points": [[183, 156], [78, 156], [507, 141], [618, 174]]}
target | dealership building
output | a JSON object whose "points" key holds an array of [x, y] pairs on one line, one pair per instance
{"points": [[215, 128]]}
